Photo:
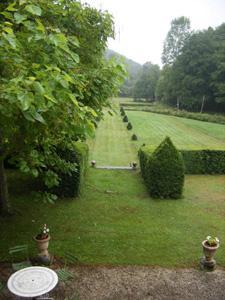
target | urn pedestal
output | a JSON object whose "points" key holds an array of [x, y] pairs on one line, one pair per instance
{"points": [[43, 254], [208, 262]]}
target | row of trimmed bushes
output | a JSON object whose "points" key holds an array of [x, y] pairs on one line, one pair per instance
{"points": [[195, 161], [214, 118]]}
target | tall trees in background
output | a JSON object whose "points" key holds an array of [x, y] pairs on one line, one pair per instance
{"points": [[54, 82], [145, 86], [176, 38], [193, 77]]}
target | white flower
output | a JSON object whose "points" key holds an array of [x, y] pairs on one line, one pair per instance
{"points": [[47, 230], [217, 240], [208, 237]]}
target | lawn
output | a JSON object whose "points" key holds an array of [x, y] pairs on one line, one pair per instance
{"points": [[115, 221], [152, 128], [112, 145]]}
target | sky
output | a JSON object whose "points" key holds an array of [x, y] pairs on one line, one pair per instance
{"points": [[141, 26]]}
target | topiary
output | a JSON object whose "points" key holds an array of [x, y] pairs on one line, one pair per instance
{"points": [[122, 111], [129, 126], [165, 171], [134, 137], [125, 118]]}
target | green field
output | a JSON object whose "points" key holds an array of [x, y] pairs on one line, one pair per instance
{"points": [[152, 128], [114, 221], [112, 145]]}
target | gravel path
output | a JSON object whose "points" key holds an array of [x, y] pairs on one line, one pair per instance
{"points": [[134, 282]]}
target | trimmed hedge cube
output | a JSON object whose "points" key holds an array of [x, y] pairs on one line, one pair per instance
{"points": [[163, 171]]}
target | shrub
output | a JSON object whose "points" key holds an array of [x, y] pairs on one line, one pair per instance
{"points": [[134, 137], [122, 111], [70, 183], [129, 126], [125, 118], [204, 161], [163, 171]]}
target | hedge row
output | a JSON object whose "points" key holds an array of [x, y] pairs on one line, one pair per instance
{"points": [[204, 161], [195, 161], [70, 184], [214, 118], [163, 170]]}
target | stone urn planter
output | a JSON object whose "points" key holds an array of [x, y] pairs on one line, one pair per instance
{"points": [[42, 241], [42, 246], [209, 250], [93, 163], [134, 165]]}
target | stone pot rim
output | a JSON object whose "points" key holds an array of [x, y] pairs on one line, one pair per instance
{"points": [[42, 240], [210, 247]]}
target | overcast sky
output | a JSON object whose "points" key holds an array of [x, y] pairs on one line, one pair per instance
{"points": [[142, 25]]}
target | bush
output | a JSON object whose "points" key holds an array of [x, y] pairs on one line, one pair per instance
{"points": [[134, 137], [125, 118], [129, 126], [163, 171], [204, 161], [70, 184], [122, 111]]}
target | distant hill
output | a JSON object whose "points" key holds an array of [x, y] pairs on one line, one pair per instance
{"points": [[133, 69]]}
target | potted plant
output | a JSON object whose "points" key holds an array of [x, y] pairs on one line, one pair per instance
{"points": [[42, 241], [134, 165], [210, 245], [93, 163]]}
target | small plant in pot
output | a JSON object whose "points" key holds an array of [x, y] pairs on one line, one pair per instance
{"points": [[210, 245], [134, 165], [93, 163], [42, 241]]}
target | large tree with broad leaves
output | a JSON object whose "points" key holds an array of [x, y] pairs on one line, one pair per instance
{"points": [[54, 82]]}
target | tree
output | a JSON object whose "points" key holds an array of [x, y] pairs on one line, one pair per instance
{"points": [[218, 76], [145, 86], [193, 70], [176, 38], [54, 83]]}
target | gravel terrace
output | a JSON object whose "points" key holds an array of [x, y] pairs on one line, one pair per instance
{"points": [[136, 282]]}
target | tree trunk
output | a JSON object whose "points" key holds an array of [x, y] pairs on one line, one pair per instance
{"points": [[178, 103], [4, 195], [203, 102]]}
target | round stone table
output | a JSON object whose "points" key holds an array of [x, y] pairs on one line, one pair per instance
{"points": [[32, 282]]}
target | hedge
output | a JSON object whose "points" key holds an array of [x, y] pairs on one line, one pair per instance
{"points": [[163, 171], [129, 126], [202, 161], [70, 184], [134, 137], [213, 118], [125, 118]]}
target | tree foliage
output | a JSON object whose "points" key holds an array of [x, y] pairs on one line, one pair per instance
{"points": [[177, 36], [145, 86], [196, 77], [54, 80]]}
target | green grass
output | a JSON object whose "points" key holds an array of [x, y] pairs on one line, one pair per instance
{"points": [[115, 221], [152, 128], [112, 145]]}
